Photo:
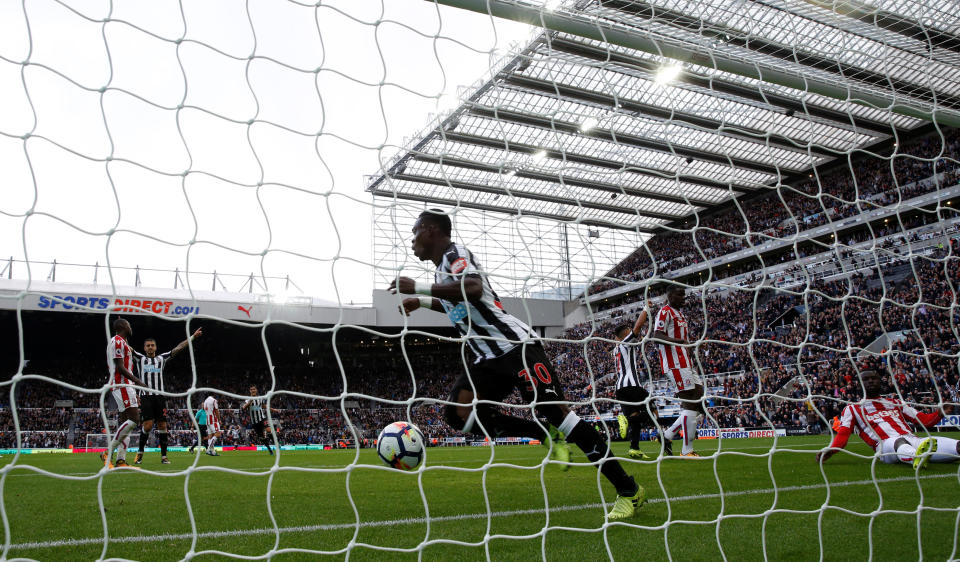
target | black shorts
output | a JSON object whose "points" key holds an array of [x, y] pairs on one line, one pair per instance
{"points": [[495, 379], [258, 428], [633, 394], [153, 407]]}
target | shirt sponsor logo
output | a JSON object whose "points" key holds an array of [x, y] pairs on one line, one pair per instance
{"points": [[878, 417], [458, 265], [457, 313]]}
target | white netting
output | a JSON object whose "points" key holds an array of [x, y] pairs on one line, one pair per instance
{"points": [[778, 159]]}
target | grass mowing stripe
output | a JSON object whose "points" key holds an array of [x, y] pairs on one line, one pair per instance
{"points": [[443, 518], [347, 466]]}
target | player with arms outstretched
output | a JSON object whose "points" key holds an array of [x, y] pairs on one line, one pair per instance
{"points": [[256, 407], [884, 425], [121, 380], [507, 356], [671, 334], [154, 407]]}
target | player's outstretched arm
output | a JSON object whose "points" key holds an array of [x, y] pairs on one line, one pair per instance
{"points": [[414, 303], [641, 322], [183, 345], [470, 286], [839, 442]]}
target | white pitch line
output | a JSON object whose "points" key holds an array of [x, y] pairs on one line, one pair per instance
{"points": [[443, 518], [346, 466]]}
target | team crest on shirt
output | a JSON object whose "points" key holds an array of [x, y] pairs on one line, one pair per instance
{"points": [[458, 265]]}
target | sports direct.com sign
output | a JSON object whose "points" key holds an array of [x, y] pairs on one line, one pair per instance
{"points": [[86, 303], [739, 433], [949, 421]]}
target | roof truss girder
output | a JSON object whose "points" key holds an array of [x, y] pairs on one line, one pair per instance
{"points": [[754, 43], [559, 179], [496, 190], [687, 119], [623, 138], [505, 210], [842, 120], [892, 22], [591, 161]]}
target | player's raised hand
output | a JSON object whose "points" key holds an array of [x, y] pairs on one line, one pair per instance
{"points": [[409, 305], [197, 334], [403, 285]]}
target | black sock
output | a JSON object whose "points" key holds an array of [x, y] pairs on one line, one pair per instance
{"points": [[594, 446], [266, 441], [501, 425], [635, 431], [163, 443], [143, 440]]}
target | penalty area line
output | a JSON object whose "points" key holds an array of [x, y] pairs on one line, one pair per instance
{"points": [[441, 518]]}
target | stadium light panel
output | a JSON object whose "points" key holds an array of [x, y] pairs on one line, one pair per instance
{"points": [[589, 124], [539, 155], [551, 5], [667, 73]]}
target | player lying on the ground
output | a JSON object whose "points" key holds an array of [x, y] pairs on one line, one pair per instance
{"points": [[882, 423], [154, 404], [507, 355]]}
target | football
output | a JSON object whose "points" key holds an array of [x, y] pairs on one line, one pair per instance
{"points": [[400, 445]]}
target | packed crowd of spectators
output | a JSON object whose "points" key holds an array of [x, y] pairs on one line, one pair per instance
{"points": [[921, 167], [770, 357]]}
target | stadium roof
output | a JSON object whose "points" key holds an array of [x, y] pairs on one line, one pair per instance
{"points": [[577, 129]]}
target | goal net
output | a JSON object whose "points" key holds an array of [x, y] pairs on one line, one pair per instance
{"points": [[792, 166]]}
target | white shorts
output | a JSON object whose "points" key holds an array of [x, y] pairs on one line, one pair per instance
{"points": [[683, 379], [125, 397], [889, 455]]}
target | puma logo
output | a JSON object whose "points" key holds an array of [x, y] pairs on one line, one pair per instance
{"points": [[246, 310]]}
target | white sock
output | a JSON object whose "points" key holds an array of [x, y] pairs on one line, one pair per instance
{"points": [[946, 450], [689, 418], [906, 452], [120, 438], [210, 443], [671, 432], [122, 449]]}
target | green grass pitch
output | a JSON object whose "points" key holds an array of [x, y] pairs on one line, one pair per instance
{"points": [[744, 504]]}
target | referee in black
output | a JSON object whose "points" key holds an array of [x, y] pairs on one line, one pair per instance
{"points": [[257, 408]]}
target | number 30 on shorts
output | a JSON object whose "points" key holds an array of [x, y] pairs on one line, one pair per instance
{"points": [[543, 374]]}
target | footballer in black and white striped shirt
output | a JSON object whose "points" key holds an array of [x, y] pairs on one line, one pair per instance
{"points": [[638, 411], [507, 355], [154, 407], [257, 408]]}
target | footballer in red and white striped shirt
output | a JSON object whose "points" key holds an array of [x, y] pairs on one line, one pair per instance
{"points": [[670, 331], [120, 366], [885, 425]]}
